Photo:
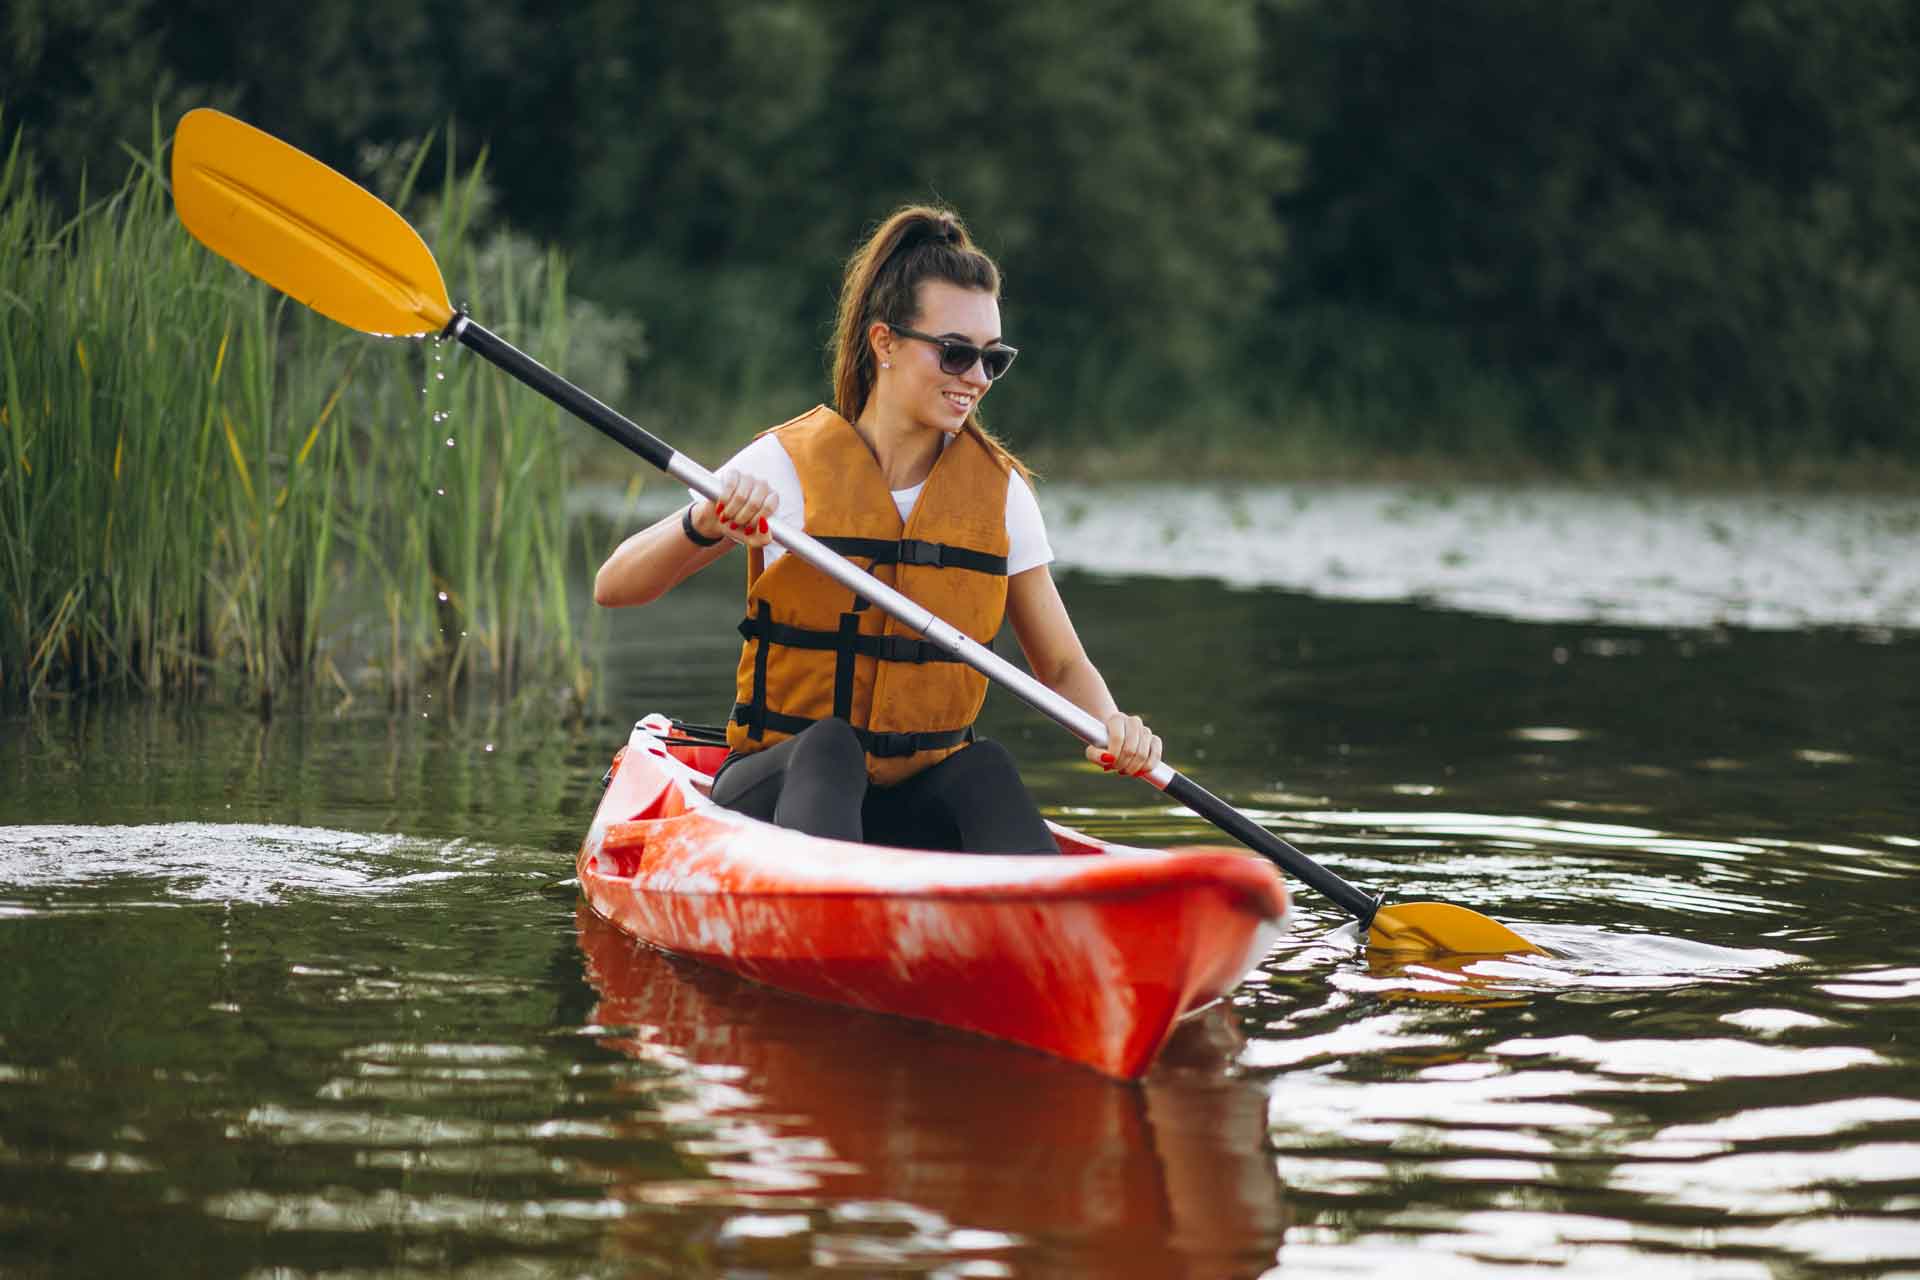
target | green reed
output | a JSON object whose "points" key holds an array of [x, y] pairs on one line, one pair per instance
{"points": [[487, 542], [204, 486]]}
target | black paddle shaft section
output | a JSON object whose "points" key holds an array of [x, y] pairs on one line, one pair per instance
{"points": [[1260, 840], [613, 425]]}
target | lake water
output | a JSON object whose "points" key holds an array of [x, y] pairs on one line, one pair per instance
{"points": [[314, 996]]}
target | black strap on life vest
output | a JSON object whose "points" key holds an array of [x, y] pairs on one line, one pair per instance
{"points": [[847, 641], [884, 745], [757, 722], [913, 551], [848, 637]]}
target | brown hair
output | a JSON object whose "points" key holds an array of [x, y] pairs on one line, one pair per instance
{"points": [[915, 243]]}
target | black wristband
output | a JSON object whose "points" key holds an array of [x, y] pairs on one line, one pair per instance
{"points": [[694, 536]]}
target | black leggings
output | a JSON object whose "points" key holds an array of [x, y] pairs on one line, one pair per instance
{"points": [[972, 801]]}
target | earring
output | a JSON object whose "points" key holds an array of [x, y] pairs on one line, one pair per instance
{"points": [[886, 364]]}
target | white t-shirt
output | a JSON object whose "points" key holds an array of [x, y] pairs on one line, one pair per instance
{"points": [[767, 459]]}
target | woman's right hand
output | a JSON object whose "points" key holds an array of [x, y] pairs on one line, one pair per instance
{"points": [[653, 561], [741, 511]]}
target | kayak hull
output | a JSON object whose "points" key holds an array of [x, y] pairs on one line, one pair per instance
{"points": [[1092, 955]]}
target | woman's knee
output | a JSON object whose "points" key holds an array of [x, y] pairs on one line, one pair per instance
{"points": [[833, 743], [991, 805], [985, 761], [984, 773]]}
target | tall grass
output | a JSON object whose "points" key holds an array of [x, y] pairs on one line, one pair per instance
{"points": [[204, 486], [493, 470]]}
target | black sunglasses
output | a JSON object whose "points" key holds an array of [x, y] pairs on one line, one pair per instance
{"points": [[956, 357]]}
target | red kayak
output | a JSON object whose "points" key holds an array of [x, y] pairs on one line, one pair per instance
{"points": [[1093, 955]]}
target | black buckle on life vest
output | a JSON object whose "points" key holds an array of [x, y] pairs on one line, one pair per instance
{"points": [[886, 745], [901, 649], [915, 551]]}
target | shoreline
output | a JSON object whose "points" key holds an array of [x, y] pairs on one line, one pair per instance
{"points": [[1309, 462], [1549, 551], [1286, 454]]}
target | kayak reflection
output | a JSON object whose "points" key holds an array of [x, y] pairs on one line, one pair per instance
{"points": [[1035, 1161]]}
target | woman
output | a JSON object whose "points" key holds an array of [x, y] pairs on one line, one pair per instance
{"points": [[845, 725]]}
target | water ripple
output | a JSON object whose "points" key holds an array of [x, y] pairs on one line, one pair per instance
{"points": [[221, 862], [1643, 870]]}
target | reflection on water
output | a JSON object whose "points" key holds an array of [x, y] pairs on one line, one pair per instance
{"points": [[312, 996], [818, 1108]]}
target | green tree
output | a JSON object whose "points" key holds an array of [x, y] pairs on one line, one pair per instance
{"points": [[1703, 215], [1105, 152], [86, 78]]}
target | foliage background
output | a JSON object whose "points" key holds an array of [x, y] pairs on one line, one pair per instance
{"points": [[206, 487], [1627, 234]]}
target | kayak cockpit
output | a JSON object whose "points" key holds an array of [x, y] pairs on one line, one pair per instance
{"points": [[667, 795]]}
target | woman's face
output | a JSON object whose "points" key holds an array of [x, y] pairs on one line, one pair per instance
{"points": [[914, 386]]}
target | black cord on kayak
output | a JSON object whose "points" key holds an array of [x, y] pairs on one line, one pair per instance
{"points": [[700, 735]]}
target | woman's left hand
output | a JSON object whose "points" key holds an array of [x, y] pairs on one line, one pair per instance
{"points": [[1131, 748]]}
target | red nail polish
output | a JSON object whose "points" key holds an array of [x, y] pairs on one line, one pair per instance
{"points": [[763, 524], [1106, 757]]}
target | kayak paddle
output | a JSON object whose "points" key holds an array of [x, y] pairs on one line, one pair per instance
{"points": [[319, 237]]}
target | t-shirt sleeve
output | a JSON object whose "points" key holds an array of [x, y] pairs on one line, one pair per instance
{"points": [[1027, 545]]}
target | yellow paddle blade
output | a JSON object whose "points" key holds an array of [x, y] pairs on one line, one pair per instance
{"points": [[1431, 927], [305, 229]]}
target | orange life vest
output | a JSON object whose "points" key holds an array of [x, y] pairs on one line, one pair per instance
{"points": [[815, 650]]}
